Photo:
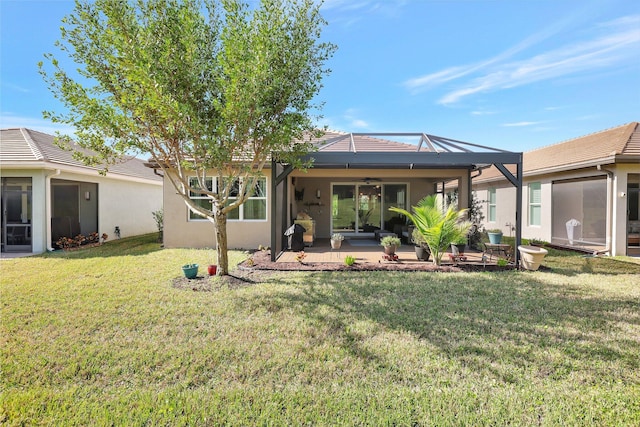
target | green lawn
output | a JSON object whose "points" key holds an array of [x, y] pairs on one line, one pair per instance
{"points": [[100, 337]]}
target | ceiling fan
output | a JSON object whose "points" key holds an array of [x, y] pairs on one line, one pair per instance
{"points": [[369, 180]]}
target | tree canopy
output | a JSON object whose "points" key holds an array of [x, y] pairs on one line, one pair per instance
{"points": [[199, 86]]}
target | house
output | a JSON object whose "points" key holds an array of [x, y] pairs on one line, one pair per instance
{"points": [[355, 178], [581, 193], [46, 194]]}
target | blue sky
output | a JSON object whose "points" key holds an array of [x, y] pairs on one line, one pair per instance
{"points": [[511, 74]]}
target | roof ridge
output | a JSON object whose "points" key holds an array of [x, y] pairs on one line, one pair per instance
{"points": [[33, 145], [580, 137], [633, 139]]}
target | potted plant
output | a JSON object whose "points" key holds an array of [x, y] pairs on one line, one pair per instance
{"points": [[190, 270], [421, 247], [336, 240], [531, 256], [495, 236], [438, 226], [212, 269], [458, 245], [390, 244]]}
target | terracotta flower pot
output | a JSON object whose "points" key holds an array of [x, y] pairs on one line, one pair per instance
{"points": [[390, 250], [212, 269]]}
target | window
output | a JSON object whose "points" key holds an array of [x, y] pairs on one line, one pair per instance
{"points": [[199, 199], [254, 208], [492, 205], [535, 204]]}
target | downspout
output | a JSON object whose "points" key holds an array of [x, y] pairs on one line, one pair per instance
{"points": [[610, 201], [47, 203]]}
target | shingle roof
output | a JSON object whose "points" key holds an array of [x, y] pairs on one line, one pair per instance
{"points": [[622, 142], [22, 146]]}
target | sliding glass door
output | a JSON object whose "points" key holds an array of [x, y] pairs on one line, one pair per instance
{"points": [[358, 209]]}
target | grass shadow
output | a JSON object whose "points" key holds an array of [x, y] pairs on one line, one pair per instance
{"points": [[508, 326]]}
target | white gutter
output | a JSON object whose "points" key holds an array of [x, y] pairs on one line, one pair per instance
{"points": [[48, 195]]}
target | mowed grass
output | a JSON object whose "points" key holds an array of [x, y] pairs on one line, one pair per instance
{"points": [[100, 337]]}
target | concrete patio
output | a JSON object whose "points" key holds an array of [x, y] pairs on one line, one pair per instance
{"points": [[369, 251]]}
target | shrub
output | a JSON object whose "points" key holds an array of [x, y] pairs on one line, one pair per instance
{"points": [[349, 260], [439, 228], [390, 241]]}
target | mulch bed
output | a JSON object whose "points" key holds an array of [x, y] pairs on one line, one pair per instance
{"points": [[236, 279], [259, 268], [261, 260]]}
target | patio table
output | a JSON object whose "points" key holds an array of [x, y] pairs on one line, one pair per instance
{"points": [[497, 249]]}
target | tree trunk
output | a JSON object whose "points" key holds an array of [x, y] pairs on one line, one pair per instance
{"points": [[221, 243]]}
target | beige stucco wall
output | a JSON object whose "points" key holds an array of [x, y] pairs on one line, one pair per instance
{"points": [[619, 205], [421, 183], [123, 202], [181, 232], [506, 194]]}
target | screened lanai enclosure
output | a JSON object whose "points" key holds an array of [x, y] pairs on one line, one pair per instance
{"points": [[357, 177]]}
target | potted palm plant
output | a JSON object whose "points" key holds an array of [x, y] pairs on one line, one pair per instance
{"points": [[421, 247], [390, 244], [458, 245], [438, 226]]}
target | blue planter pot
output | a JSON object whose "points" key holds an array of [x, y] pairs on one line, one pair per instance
{"points": [[495, 238], [190, 271]]}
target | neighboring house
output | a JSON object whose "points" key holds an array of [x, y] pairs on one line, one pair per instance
{"points": [[354, 180], [581, 193], [46, 194]]}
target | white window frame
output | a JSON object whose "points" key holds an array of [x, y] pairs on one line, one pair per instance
{"points": [[492, 205], [193, 216], [533, 204]]}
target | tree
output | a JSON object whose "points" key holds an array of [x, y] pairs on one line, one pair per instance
{"points": [[206, 88], [438, 227]]}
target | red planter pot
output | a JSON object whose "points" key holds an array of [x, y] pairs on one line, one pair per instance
{"points": [[212, 269]]}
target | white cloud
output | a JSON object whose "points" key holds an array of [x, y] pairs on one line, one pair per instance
{"points": [[609, 47], [482, 113], [9, 121], [520, 124], [360, 124], [16, 88], [355, 122], [347, 13]]}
